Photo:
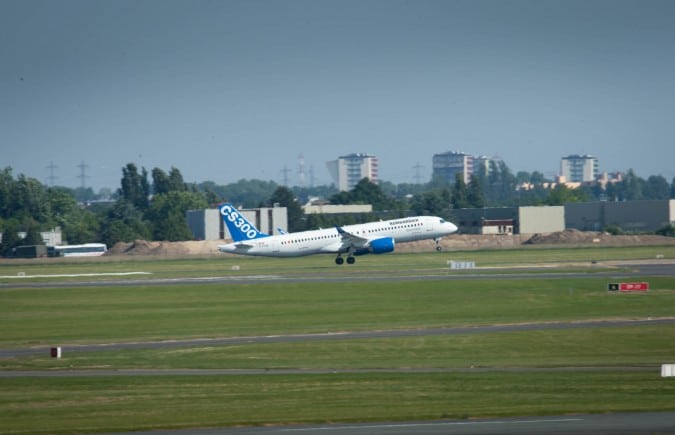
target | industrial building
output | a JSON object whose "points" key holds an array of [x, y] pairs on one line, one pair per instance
{"points": [[510, 220], [348, 170], [317, 206], [629, 216], [208, 224]]}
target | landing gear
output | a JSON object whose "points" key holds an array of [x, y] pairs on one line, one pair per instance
{"points": [[350, 260], [438, 245]]}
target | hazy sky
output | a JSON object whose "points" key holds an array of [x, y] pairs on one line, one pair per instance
{"points": [[225, 90]]}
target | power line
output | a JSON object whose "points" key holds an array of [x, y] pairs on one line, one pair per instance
{"points": [[418, 173], [51, 178], [284, 173], [83, 176], [301, 170]]}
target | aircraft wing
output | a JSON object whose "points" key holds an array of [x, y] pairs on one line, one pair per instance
{"points": [[351, 240]]}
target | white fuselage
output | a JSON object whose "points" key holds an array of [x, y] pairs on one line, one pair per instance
{"points": [[331, 241]]}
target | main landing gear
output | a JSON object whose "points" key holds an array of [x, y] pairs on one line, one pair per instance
{"points": [[350, 260]]}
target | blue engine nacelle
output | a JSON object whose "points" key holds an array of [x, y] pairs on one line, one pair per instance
{"points": [[381, 246]]}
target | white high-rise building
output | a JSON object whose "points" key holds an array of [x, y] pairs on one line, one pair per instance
{"points": [[348, 170], [578, 168]]}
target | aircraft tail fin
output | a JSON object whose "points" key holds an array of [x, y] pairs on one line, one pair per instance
{"points": [[239, 227]]}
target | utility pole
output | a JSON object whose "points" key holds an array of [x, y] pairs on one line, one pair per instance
{"points": [[284, 173], [51, 178], [418, 173], [83, 176], [301, 170], [311, 176]]}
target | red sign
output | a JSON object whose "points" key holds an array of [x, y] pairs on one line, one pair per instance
{"points": [[633, 286], [629, 287]]}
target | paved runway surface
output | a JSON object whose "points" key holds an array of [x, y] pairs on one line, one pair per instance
{"points": [[600, 424], [392, 333], [633, 270]]}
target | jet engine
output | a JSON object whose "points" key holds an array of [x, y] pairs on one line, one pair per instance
{"points": [[381, 246]]}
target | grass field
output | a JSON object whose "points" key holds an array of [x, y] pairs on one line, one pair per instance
{"points": [[389, 264], [539, 372]]}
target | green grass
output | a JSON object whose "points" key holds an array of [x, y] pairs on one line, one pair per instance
{"points": [[389, 264], [81, 404], [646, 346], [51, 316], [78, 405]]}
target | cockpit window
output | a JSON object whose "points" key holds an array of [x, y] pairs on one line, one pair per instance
{"points": [[442, 221]]}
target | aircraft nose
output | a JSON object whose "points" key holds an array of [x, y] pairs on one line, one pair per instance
{"points": [[452, 227]]}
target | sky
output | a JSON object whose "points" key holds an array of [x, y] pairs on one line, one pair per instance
{"points": [[225, 90]]}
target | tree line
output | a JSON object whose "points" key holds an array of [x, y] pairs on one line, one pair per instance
{"points": [[152, 206]]}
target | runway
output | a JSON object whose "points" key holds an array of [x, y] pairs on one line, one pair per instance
{"points": [[289, 338], [623, 270], [596, 424]]}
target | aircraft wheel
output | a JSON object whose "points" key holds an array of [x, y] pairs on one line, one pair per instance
{"points": [[351, 260], [339, 260], [439, 249]]}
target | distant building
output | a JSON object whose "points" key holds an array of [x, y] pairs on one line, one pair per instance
{"points": [[481, 164], [630, 216], [208, 224], [510, 220], [348, 170], [446, 166], [317, 206], [578, 168], [50, 238]]}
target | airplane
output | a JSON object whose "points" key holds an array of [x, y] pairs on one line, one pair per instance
{"points": [[350, 240]]}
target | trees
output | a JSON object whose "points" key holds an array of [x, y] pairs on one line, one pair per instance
{"points": [[366, 192], [10, 237], [163, 183], [244, 193], [562, 194], [135, 187], [285, 198], [134, 216], [460, 194], [656, 187], [28, 206], [474, 193], [166, 214]]}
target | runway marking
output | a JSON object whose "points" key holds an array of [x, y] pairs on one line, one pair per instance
{"points": [[449, 423], [75, 275]]}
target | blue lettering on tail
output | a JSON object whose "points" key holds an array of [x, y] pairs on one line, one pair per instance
{"points": [[239, 227]]}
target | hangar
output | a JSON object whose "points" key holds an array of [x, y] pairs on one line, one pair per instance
{"points": [[208, 225], [630, 216], [510, 220]]}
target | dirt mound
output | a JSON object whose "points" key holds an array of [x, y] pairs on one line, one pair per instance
{"points": [[570, 236], [576, 237], [166, 249]]}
